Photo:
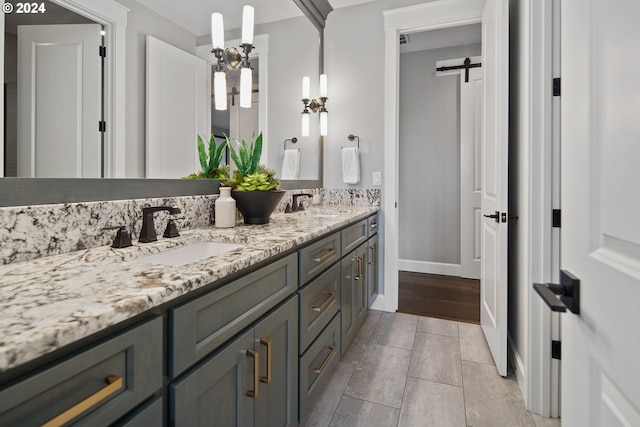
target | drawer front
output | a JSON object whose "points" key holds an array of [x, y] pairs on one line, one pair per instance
{"points": [[93, 388], [319, 302], [354, 235], [316, 257], [372, 225], [317, 364], [200, 326]]}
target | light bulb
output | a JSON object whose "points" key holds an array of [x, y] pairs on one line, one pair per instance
{"points": [[217, 31], [323, 85], [245, 87], [247, 25], [305, 124], [220, 90], [306, 83], [324, 118]]}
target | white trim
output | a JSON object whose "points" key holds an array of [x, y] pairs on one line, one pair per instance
{"points": [[537, 37], [2, 141], [428, 16], [261, 50], [113, 16], [429, 267], [517, 362]]}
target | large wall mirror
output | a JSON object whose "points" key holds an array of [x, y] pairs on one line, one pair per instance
{"points": [[118, 151]]}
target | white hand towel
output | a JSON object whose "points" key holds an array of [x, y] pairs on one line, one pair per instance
{"points": [[290, 164], [350, 165]]}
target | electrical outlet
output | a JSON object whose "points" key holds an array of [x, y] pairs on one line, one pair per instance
{"points": [[377, 178]]}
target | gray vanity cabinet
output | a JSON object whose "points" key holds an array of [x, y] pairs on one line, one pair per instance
{"points": [[95, 387], [252, 381], [372, 274], [354, 294]]}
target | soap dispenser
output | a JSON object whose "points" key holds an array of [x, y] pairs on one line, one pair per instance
{"points": [[225, 209]]}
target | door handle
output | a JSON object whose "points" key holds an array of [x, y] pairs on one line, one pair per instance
{"points": [[568, 290], [495, 216]]}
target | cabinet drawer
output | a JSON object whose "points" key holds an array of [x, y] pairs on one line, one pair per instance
{"points": [[200, 326], [319, 302], [316, 257], [317, 364], [354, 235], [110, 378], [372, 225]]}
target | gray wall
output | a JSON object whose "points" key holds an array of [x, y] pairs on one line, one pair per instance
{"points": [[429, 173], [354, 63], [143, 21]]}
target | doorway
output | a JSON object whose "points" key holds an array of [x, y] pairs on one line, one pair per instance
{"points": [[440, 115]]}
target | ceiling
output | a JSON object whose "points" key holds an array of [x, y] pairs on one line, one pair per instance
{"points": [[445, 37], [194, 15]]}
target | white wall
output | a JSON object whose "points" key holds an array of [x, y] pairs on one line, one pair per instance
{"points": [[429, 150], [354, 63]]}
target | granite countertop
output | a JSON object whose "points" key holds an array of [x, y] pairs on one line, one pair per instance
{"points": [[51, 302]]}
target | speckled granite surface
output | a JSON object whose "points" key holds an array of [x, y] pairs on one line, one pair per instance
{"points": [[53, 301]]}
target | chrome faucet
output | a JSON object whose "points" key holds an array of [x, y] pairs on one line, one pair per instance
{"points": [[148, 231], [295, 207]]}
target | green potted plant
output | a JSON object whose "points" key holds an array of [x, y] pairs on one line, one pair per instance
{"points": [[210, 160], [254, 186]]}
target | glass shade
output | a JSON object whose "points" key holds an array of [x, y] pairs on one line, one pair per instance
{"points": [[324, 118], [245, 87], [220, 90], [217, 31], [305, 124], [247, 25]]}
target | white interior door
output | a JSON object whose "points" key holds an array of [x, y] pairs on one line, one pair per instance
{"points": [[59, 101], [177, 96], [471, 104], [494, 184], [600, 205]]}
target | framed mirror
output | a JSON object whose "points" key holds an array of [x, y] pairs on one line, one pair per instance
{"points": [[125, 24]]}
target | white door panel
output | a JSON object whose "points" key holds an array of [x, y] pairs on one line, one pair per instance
{"points": [[177, 99], [59, 101], [494, 183], [600, 201], [471, 169]]}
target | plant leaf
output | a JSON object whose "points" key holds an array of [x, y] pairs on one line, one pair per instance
{"points": [[257, 152], [212, 153], [218, 154], [202, 155]]}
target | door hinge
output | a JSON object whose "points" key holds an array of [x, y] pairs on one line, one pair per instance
{"points": [[555, 222], [556, 350], [102, 126], [556, 86], [102, 51]]}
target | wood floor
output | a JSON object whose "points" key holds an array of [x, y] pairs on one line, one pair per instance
{"points": [[444, 297]]}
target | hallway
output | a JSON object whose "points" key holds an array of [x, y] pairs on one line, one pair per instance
{"points": [[406, 370]]}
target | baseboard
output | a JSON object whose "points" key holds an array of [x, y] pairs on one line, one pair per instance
{"points": [[378, 304], [518, 364], [429, 267]]}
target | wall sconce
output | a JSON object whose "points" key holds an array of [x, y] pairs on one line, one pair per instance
{"points": [[315, 105], [232, 59]]}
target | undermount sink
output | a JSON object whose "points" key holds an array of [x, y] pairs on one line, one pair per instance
{"points": [[188, 254]]}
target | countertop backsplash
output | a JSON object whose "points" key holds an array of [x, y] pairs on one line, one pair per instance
{"points": [[31, 232]]}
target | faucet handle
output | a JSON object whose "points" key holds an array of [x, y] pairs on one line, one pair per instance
{"points": [[123, 237], [171, 230]]}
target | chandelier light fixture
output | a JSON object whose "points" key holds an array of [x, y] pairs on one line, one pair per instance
{"points": [[314, 105], [231, 59]]}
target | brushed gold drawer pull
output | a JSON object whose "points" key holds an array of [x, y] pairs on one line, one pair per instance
{"points": [[331, 297], [267, 343], [326, 255], [254, 355], [115, 384], [319, 369]]}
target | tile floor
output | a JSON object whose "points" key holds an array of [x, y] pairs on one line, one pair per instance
{"points": [[406, 370]]}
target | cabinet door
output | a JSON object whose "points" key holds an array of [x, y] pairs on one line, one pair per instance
{"points": [[352, 295], [372, 270], [276, 341], [216, 393]]}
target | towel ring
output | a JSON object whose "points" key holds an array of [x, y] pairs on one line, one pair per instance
{"points": [[293, 141], [352, 137]]}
